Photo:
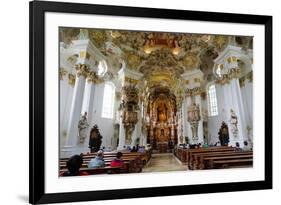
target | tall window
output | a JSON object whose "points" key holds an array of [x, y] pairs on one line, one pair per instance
{"points": [[213, 105], [108, 101]]}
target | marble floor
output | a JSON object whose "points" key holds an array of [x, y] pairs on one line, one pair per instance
{"points": [[163, 163]]}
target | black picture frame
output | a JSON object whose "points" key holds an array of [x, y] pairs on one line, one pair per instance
{"points": [[37, 11]]}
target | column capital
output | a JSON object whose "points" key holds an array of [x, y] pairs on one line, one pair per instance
{"points": [[92, 77], [233, 73], [194, 91], [62, 73], [71, 79], [82, 70]]}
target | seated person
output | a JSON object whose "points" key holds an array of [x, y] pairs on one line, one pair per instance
{"points": [[98, 161], [192, 146], [141, 149], [73, 165], [237, 146], [134, 149], [137, 147], [205, 145], [117, 162], [246, 147]]}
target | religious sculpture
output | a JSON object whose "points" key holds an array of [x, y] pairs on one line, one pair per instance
{"points": [[83, 128], [223, 134], [234, 123], [162, 112], [193, 117], [95, 139]]}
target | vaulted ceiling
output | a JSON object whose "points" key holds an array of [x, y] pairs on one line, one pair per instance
{"points": [[161, 57]]}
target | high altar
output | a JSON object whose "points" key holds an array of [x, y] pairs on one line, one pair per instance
{"points": [[161, 128]]}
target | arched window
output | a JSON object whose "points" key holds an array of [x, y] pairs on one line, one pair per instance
{"points": [[108, 100], [212, 98]]}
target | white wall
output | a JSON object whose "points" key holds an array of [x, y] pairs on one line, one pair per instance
{"points": [[225, 102], [105, 124], [14, 102]]}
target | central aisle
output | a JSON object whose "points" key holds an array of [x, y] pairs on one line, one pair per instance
{"points": [[163, 163]]}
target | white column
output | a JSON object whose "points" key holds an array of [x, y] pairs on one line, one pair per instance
{"points": [[121, 143], [238, 107], [188, 126], [88, 101], [75, 114], [200, 123], [135, 134], [66, 91], [184, 122]]}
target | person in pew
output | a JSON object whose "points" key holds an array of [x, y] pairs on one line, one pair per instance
{"points": [[205, 145], [117, 162], [141, 149], [98, 161], [246, 147], [237, 147], [192, 146], [129, 148], [73, 165], [134, 149]]}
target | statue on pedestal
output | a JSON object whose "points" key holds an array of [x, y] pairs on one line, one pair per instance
{"points": [[193, 114], [223, 134], [234, 123], [95, 139], [83, 128]]}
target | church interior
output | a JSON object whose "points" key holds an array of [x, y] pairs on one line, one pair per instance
{"points": [[166, 101]]}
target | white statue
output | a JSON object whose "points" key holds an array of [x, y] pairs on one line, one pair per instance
{"points": [[234, 123], [83, 128], [193, 117]]}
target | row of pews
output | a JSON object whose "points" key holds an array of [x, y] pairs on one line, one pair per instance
{"points": [[133, 162], [214, 157]]}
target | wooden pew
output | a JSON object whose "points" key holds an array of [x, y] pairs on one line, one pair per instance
{"points": [[230, 161], [181, 153], [145, 156], [132, 161], [191, 152], [197, 159], [102, 170], [206, 160]]}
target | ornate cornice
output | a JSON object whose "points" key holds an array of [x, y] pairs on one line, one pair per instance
{"points": [[231, 74], [194, 91], [131, 80]]}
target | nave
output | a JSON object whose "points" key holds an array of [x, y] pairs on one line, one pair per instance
{"points": [[154, 101]]}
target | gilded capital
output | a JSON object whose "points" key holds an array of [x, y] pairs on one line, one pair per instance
{"points": [[249, 76], [92, 77], [242, 81], [194, 91], [62, 73], [231, 74], [82, 69], [71, 79]]}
